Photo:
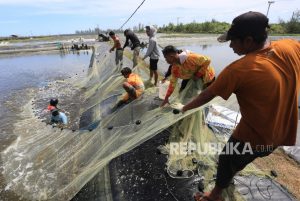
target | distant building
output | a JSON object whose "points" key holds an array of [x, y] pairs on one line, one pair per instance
{"points": [[14, 36]]}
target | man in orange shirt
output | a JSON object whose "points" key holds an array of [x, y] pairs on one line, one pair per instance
{"points": [[187, 65], [133, 86], [266, 82], [119, 49]]}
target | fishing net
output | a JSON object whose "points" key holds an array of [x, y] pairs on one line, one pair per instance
{"points": [[47, 163]]}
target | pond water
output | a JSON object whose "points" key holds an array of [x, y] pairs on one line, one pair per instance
{"points": [[220, 54], [20, 72]]}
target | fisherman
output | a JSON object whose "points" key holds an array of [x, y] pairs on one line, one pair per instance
{"points": [[102, 37], [152, 52], [136, 45], [117, 46], [52, 104], [133, 86], [168, 73], [187, 65], [266, 82], [58, 117]]}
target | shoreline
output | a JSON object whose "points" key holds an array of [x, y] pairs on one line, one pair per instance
{"points": [[36, 99]]}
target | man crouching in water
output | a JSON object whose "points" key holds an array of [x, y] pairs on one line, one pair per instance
{"points": [[133, 86]]}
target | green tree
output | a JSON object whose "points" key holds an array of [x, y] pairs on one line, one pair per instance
{"points": [[293, 25]]}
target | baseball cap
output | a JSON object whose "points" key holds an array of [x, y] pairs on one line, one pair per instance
{"points": [[248, 24]]}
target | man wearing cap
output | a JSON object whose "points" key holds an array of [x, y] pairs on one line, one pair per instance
{"points": [[119, 49], [187, 65], [135, 44], [266, 83]]}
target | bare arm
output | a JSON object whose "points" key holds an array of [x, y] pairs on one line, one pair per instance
{"points": [[200, 100], [126, 42]]}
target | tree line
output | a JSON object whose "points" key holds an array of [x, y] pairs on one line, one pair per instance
{"points": [[291, 26]]}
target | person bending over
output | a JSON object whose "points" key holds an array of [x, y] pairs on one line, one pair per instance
{"points": [[133, 86], [187, 65]]}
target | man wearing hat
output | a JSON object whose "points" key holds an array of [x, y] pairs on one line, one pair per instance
{"points": [[266, 81]]}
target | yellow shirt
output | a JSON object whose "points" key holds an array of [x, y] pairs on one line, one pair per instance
{"points": [[194, 65]]}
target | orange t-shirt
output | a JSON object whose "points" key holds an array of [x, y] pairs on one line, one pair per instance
{"points": [[266, 83], [136, 82]]}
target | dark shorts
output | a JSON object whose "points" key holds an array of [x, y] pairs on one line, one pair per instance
{"points": [[153, 64], [231, 163]]}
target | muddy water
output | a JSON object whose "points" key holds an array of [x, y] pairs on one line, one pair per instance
{"points": [[38, 76]]}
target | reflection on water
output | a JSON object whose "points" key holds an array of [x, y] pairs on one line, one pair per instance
{"points": [[221, 54], [20, 72], [33, 70]]}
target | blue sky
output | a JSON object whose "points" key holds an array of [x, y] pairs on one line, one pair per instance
{"points": [[44, 17]]}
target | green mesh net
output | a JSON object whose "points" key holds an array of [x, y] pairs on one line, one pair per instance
{"points": [[47, 163]]}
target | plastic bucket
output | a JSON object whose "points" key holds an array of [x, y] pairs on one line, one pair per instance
{"points": [[162, 89]]}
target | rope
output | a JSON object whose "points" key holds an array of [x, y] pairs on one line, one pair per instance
{"points": [[132, 14]]}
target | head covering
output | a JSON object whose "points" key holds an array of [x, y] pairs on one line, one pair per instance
{"points": [[126, 31], [251, 23], [151, 30], [111, 33]]}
